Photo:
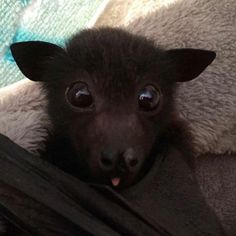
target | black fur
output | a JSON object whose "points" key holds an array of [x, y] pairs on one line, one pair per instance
{"points": [[116, 65]]}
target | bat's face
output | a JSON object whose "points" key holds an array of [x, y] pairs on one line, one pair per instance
{"points": [[110, 94], [113, 104], [114, 124], [112, 136]]}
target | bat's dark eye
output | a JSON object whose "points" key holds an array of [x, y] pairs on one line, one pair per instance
{"points": [[78, 95], [149, 98]]}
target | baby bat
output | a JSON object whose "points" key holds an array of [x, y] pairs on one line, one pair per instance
{"points": [[110, 101]]}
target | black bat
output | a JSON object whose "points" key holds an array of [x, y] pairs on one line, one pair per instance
{"points": [[110, 100]]}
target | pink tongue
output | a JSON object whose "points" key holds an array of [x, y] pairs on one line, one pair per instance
{"points": [[115, 181]]}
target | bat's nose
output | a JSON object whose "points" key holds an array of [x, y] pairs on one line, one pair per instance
{"points": [[120, 161]]}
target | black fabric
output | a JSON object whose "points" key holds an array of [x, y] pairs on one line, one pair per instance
{"points": [[39, 199]]}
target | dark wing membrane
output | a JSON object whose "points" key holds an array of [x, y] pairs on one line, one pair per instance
{"points": [[43, 200], [40, 199]]}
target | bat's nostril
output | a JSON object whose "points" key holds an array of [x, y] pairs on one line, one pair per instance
{"points": [[107, 160], [130, 158]]}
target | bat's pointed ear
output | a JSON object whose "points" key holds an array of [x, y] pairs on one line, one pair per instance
{"points": [[187, 64], [31, 57]]}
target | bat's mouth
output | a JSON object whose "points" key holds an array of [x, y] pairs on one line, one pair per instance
{"points": [[115, 182], [121, 181]]}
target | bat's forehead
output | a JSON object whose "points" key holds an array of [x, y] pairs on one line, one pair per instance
{"points": [[115, 59], [109, 43]]}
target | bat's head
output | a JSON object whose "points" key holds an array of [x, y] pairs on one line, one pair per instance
{"points": [[110, 95]]}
